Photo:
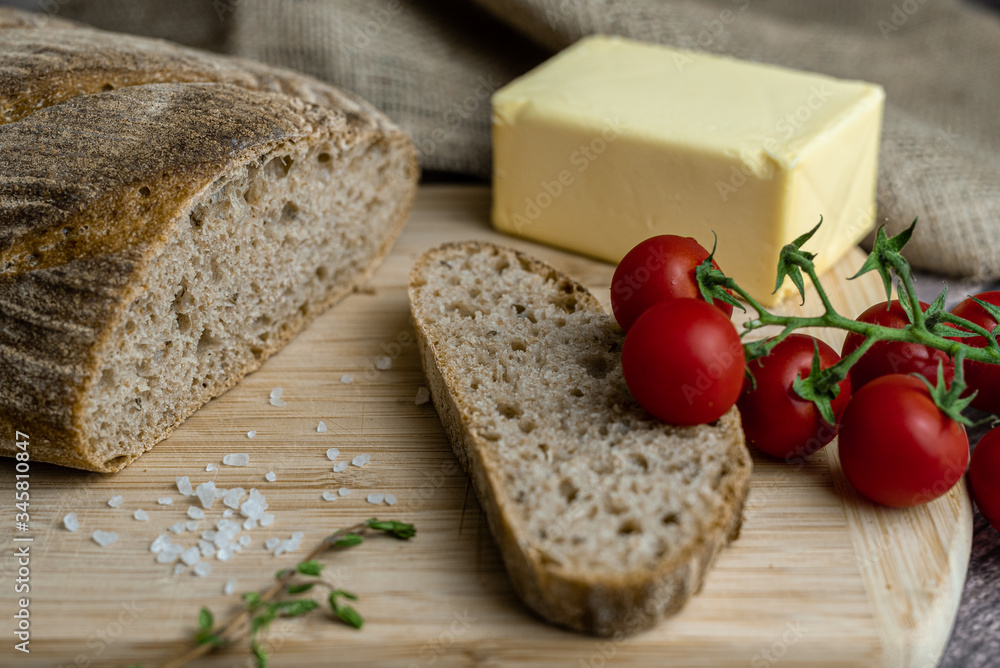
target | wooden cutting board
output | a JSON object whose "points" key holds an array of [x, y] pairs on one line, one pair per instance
{"points": [[819, 577]]}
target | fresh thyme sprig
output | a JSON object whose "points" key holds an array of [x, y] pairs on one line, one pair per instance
{"points": [[260, 609], [929, 328]]}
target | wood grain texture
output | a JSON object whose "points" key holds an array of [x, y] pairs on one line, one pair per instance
{"points": [[819, 577]]}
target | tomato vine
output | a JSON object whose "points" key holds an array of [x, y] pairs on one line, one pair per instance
{"points": [[935, 328]]}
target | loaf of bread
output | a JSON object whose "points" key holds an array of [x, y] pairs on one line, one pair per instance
{"points": [[607, 519], [168, 220]]}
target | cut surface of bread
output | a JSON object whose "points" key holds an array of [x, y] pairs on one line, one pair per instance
{"points": [[606, 518], [160, 241]]}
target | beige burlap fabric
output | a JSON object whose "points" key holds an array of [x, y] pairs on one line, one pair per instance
{"points": [[432, 64]]}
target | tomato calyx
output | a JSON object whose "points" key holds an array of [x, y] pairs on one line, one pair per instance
{"points": [[713, 284], [793, 259], [821, 386], [949, 398]]}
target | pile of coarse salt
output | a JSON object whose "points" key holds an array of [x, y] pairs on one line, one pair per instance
{"points": [[225, 539]]}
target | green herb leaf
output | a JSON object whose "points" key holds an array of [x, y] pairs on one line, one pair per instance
{"points": [[348, 540], [262, 619], [300, 607], [340, 592], [349, 616], [300, 588], [395, 529], [251, 600], [205, 619], [259, 653], [346, 613], [207, 637], [310, 568]]}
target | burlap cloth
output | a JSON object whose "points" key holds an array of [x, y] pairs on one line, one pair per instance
{"points": [[432, 65]]}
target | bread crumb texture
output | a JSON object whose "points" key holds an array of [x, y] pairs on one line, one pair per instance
{"points": [[593, 490]]}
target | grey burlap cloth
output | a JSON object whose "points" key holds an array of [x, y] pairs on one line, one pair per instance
{"points": [[432, 65]]}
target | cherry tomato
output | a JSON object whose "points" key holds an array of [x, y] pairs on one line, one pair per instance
{"points": [[889, 357], [657, 269], [897, 447], [683, 361], [978, 375], [984, 476], [778, 421]]}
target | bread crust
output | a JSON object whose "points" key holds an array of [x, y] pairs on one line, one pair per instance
{"points": [[598, 603], [95, 180]]}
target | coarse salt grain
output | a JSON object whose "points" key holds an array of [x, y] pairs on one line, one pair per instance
{"points": [[237, 459], [272, 543], [339, 466], [375, 498], [347, 379], [165, 501], [169, 554], [104, 538], [321, 428], [361, 460], [228, 512], [332, 453], [141, 515], [160, 542], [291, 544], [206, 547], [383, 363], [191, 525], [230, 587], [266, 520], [116, 501], [196, 513], [423, 396], [245, 540], [206, 493], [211, 467], [276, 397], [191, 556], [202, 569], [270, 476], [178, 528], [184, 486], [179, 568], [254, 506], [343, 491], [232, 498], [390, 499], [70, 522], [251, 434], [330, 496]]}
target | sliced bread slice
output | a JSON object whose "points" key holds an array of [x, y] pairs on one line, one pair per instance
{"points": [[607, 519]]}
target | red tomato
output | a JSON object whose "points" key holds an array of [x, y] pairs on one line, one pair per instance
{"points": [[897, 447], [777, 420], [657, 269], [683, 361], [984, 476], [978, 375], [889, 357]]}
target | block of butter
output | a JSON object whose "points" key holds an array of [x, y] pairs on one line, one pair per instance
{"points": [[613, 141]]}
